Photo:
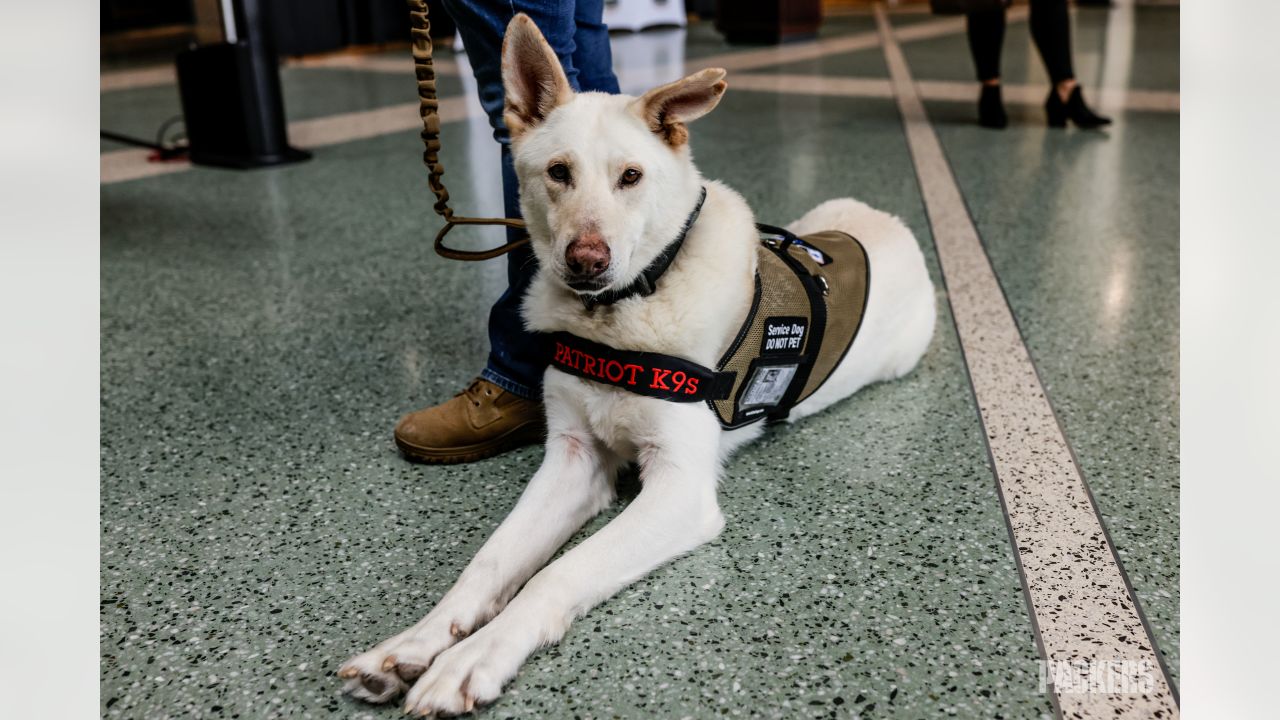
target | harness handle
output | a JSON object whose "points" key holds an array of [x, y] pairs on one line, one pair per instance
{"points": [[429, 110]]}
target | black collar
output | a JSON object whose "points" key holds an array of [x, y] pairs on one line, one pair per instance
{"points": [[647, 283]]}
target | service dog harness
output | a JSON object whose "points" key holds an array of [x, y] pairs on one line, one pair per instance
{"points": [[810, 297]]}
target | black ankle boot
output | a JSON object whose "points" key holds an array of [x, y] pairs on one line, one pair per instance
{"points": [[1073, 109], [991, 108]]}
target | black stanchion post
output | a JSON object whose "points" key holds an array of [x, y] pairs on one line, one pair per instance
{"points": [[231, 98]]}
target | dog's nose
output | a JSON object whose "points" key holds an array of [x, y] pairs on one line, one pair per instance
{"points": [[587, 256]]}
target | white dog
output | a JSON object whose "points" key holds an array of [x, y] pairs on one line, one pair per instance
{"points": [[607, 183]]}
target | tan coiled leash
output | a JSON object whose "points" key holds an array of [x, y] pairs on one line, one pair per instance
{"points": [[429, 109]]}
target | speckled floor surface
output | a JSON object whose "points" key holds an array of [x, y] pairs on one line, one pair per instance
{"points": [[262, 331]]}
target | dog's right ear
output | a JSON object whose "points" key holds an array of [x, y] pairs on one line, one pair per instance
{"points": [[534, 82]]}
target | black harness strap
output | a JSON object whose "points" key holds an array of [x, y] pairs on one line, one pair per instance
{"points": [[647, 282], [645, 373], [817, 328]]}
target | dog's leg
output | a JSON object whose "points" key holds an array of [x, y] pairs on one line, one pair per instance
{"points": [[572, 486], [675, 512]]}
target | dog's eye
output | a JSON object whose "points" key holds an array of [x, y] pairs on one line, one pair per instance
{"points": [[630, 176], [559, 172]]}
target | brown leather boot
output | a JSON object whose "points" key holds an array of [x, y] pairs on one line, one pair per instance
{"points": [[482, 421]]}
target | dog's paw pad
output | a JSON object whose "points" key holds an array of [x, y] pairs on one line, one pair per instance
{"points": [[466, 676], [365, 681], [408, 671]]}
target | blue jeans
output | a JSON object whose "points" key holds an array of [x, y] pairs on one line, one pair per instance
{"points": [[580, 39]]}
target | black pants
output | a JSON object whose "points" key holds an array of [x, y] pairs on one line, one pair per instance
{"points": [[1050, 28]]}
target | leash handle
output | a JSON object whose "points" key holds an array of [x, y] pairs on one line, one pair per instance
{"points": [[429, 110]]}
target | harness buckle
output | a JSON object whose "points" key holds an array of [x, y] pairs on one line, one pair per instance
{"points": [[773, 240]]}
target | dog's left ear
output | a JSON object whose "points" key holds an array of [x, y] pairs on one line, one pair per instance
{"points": [[666, 109]]}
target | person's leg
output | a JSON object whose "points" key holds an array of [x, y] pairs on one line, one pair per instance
{"points": [[986, 39], [1051, 31], [516, 359], [482, 24], [592, 55]]}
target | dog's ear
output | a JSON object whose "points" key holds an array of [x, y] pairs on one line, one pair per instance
{"points": [[534, 82], [666, 109]]}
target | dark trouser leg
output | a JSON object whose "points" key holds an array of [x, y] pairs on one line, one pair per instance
{"points": [[592, 55], [516, 356], [1051, 30], [516, 360], [986, 38]]}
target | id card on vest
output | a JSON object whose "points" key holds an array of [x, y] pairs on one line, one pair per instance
{"points": [[768, 385], [777, 365]]}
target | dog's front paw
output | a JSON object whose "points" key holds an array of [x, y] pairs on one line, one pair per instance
{"points": [[469, 674], [366, 680], [383, 673]]}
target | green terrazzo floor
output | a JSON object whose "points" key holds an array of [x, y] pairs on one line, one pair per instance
{"points": [[1082, 229], [262, 331], [1088, 257]]}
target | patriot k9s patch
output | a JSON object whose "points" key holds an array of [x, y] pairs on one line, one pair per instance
{"points": [[643, 373]]}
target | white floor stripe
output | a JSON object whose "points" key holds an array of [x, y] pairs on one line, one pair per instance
{"points": [[132, 164], [142, 77], [1018, 94], [947, 90], [374, 63], [121, 165], [811, 85], [334, 129], [165, 75], [782, 54], [950, 25], [847, 10], [1086, 619]]}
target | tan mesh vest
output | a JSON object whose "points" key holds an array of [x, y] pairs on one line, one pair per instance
{"points": [[811, 294]]}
